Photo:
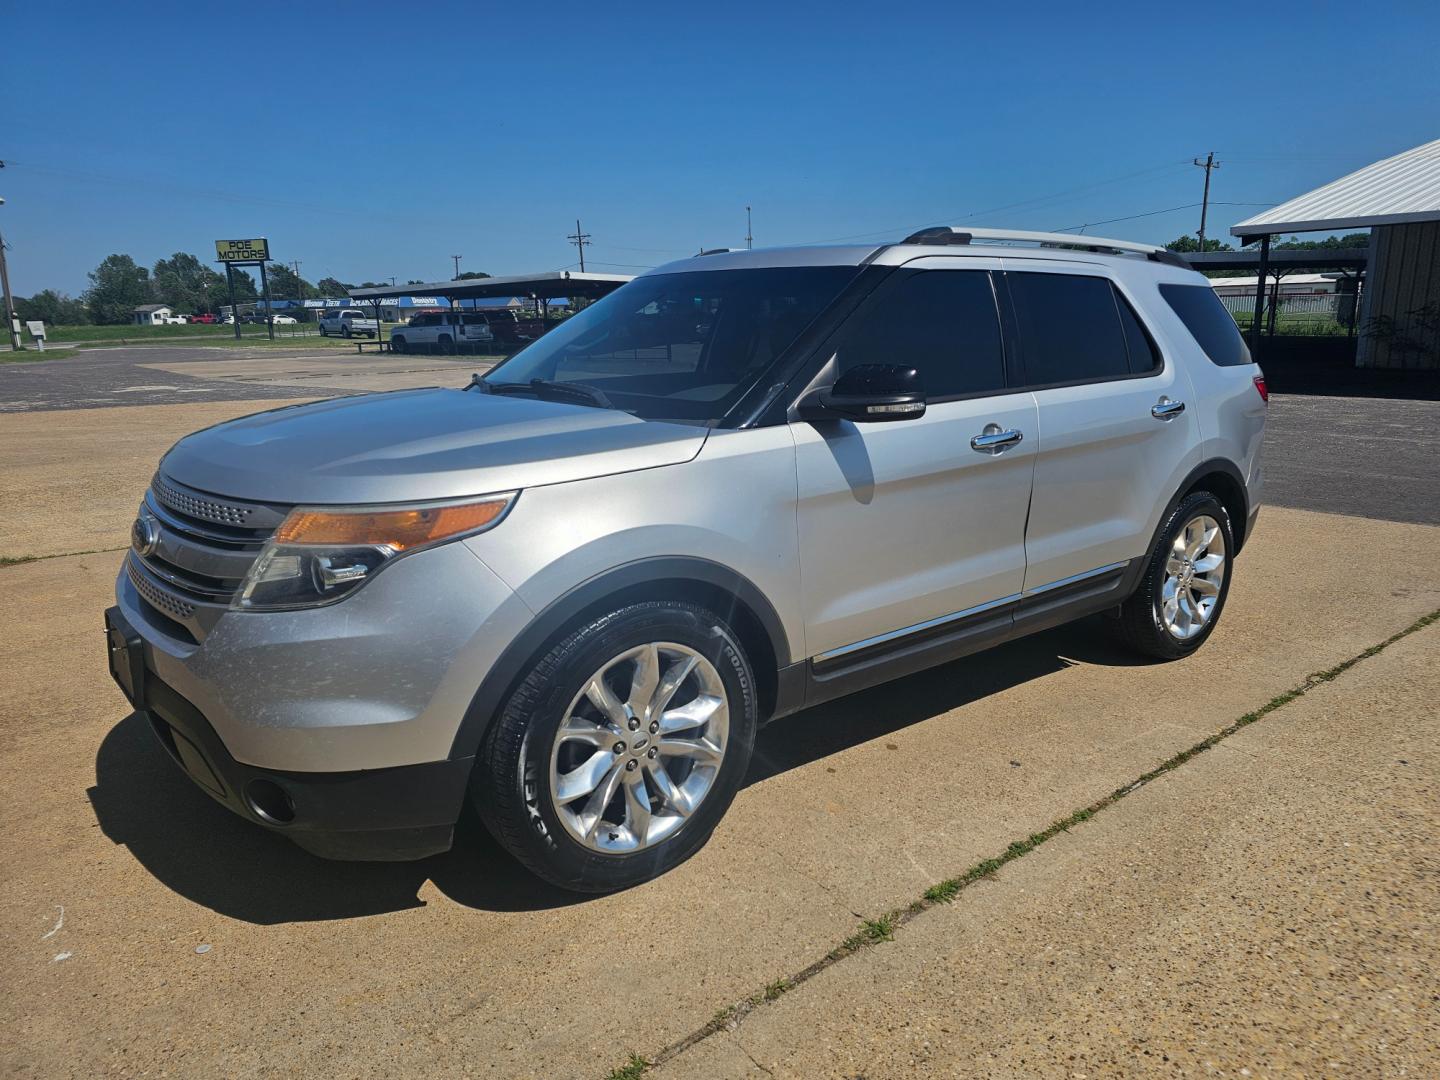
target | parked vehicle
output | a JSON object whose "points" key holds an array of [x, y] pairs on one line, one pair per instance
{"points": [[175, 320], [283, 320], [740, 485], [442, 331], [204, 317], [348, 322]]}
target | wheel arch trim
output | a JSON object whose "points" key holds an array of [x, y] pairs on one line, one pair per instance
{"points": [[555, 616]]}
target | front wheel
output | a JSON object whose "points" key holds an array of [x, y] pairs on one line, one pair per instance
{"points": [[346, 332], [1187, 578], [616, 757], [397, 344]]}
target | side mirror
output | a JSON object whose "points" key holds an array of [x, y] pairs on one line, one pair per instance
{"points": [[868, 393]]}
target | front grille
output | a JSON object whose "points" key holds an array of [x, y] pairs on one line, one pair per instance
{"points": [[173, 606], [205, 509], [207, 544]]}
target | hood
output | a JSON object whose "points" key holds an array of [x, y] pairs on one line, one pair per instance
{"points": [[416, 445]]}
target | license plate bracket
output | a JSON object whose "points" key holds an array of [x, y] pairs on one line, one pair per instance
{"points": [[127, 657]]}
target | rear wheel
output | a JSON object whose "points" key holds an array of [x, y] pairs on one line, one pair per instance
{"points": [[397, 344], [446, 345], [1187, 578], [618, 754], [346, 331]]}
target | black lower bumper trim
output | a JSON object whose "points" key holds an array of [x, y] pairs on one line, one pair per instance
{"points": [[405, 812]]}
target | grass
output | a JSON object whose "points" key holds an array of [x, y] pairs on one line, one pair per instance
{"points": [[17, 560], [882, 929]]}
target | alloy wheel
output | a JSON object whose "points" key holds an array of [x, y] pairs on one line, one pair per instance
{"points": [[1194, 574], [639, 747]]}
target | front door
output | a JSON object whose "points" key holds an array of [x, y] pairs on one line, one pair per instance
{"points": [[905, 523]]}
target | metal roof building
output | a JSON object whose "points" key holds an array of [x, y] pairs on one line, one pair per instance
{"points": [[1399, 200]]}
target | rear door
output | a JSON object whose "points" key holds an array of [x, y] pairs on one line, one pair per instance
{"points": [[904, 523], [1116, 433]]}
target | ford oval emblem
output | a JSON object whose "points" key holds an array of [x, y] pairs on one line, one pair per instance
{"points": [[144, 535]]}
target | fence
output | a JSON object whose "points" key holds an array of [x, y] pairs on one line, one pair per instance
{"points": [[1309, 314]]}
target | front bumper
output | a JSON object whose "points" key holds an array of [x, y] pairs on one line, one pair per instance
{"points": [[405, 812]]}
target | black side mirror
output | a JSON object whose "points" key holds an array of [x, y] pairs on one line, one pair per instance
{"points": [[868, 393]]}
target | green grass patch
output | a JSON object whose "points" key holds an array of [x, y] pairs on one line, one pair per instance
{"points": [[17, 560], [631, 1070]]}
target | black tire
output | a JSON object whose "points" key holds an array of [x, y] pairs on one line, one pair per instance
{"points": [[323, 333], [446, 345], [346, 332], [511, 782], [1141, 624], [397, 344]]}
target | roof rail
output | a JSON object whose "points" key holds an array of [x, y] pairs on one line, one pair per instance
{"points": [[947, 234]]}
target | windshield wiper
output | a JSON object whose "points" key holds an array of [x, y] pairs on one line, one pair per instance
{"points": [[574, 391]]}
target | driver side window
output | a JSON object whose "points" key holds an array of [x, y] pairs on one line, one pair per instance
{"points": [[943, 323]]}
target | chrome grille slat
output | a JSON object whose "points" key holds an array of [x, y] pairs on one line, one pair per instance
{"points": [[156, 596], [176, 523]]}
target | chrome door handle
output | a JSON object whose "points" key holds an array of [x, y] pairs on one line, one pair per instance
{"points": [[1165, 409], [992, 440]]}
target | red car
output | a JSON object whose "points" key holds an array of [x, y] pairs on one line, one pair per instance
{"points": [[207, 317]]}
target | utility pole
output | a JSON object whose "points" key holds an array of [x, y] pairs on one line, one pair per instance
{"points": [[10, 330], [1208, 165], [749, 240], [579, 239], [299, 288], [457, 259]]}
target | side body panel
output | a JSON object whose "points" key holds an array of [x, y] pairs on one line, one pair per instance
{"points": [[1106, 466], [733, 505]]}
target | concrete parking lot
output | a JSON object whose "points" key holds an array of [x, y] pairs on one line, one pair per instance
{"points": [[1268, 905]]}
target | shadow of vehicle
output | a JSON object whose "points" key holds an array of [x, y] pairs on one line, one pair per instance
{"points": [[207, 854]]}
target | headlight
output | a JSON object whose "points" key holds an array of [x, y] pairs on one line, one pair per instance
{"points": [[321, 554]]}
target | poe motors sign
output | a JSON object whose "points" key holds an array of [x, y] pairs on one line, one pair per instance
{"points": [[251, 251]]}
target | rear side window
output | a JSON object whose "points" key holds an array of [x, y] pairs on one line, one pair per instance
{"points": [[1208, 322], [1144, 357], [943, 323], [1070, 328]]}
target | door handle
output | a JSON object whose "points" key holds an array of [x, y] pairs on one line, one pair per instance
{"points": [[993, 439], [1165, 409]]}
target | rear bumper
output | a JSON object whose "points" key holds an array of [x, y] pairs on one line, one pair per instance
{"points": [[405, 812]]}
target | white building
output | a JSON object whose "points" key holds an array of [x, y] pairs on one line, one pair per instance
{"points": [[153, 315]]}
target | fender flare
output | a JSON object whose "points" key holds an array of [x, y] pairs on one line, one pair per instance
{"points": [[1229, 468], [544, 627]]}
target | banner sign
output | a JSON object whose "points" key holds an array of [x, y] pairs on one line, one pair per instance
{"points": [[243, 250]]}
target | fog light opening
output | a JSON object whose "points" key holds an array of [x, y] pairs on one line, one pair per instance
{"points": [[269, 801]]}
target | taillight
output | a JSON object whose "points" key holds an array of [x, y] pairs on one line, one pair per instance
{"points": [[1260, 386]]}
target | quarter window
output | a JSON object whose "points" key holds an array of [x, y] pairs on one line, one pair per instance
{"points": [[1208, 322], [1144, 357], [943, 323], [1070, 328]]}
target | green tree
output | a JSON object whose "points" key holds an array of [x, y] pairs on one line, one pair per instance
{"points": [[1329, 243], [52, 308], [1187, 244], [332, 288], [470, 274], [183, 282], [285, 284], [218, 295], [117, 288]]}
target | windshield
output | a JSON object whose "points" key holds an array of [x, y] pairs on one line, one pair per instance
{"points": [[681, 346]]}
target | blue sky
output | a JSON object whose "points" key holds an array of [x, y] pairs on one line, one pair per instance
{"points": [[371, 140]]}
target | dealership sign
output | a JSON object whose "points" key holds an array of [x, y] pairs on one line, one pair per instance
{"points": [[243, 250]]}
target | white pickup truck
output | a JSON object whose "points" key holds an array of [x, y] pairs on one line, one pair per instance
{"points": [[347, 322], [442, 331]]}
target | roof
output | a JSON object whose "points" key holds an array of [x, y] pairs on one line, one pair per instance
{"points": [[1399, 189], [1283, 259], [1288, 279], [544, 286], [143, 308]]}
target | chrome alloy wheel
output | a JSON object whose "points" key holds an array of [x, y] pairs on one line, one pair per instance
{"points": [[640, 747], [1194, 573]]}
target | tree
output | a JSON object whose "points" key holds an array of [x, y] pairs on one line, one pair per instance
{"points": [[1188, 244], [285, 284], [471, 274], [183, 282], [218, 295], [117, 288], [332, 288], [52, 308], [1330, 243]]}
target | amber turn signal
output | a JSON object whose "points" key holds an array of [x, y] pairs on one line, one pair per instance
{"points": [[398, 530]]}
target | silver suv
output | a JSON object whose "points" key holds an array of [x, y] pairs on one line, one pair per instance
{"points": [[742, 484]]}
